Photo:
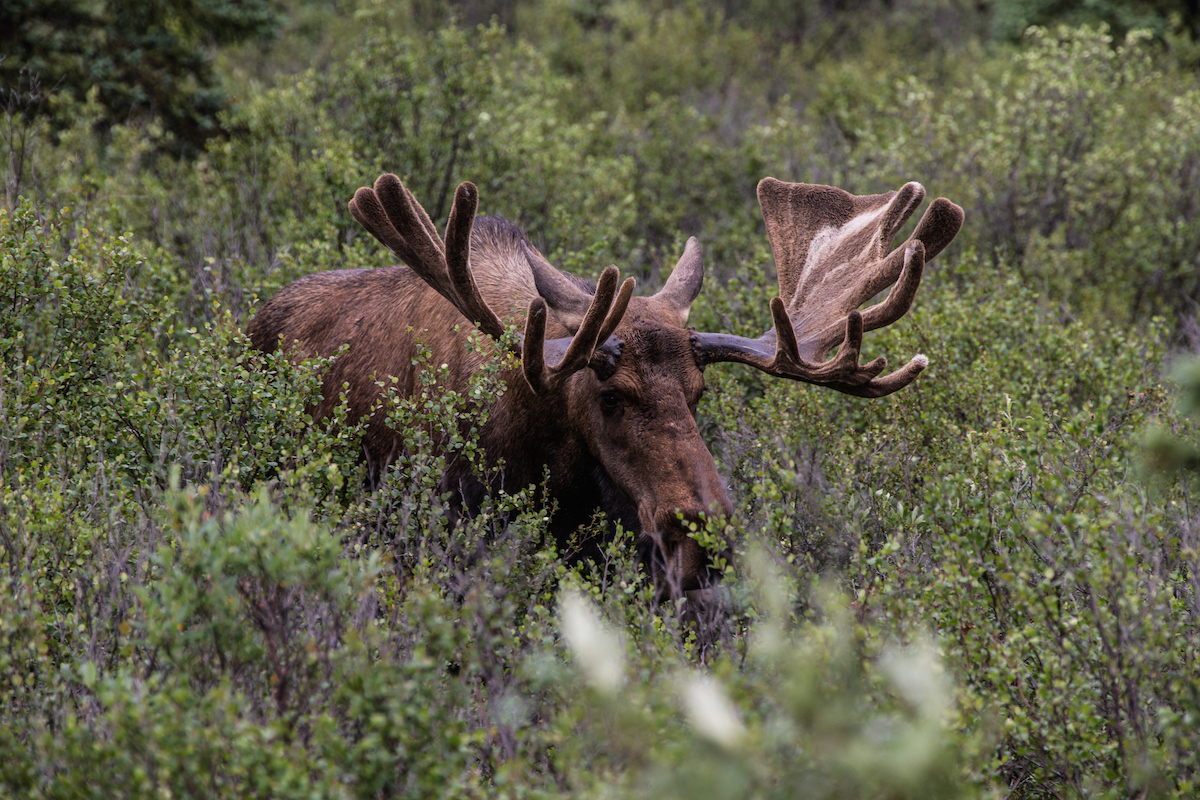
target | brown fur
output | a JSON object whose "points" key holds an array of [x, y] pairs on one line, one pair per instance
{"points": [[614, 421], [643, 462]]}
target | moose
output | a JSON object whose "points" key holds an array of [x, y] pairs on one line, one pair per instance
{"points": [[604, 400]]}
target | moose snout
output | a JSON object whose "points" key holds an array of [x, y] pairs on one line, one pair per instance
{"points": [[678, 562]]}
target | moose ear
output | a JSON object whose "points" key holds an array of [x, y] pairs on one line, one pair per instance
{"points": [[565, 298], [684, 284]]}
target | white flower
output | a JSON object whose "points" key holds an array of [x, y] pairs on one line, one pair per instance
{"points": [[918, 676], [598, 649], [711, 712]]}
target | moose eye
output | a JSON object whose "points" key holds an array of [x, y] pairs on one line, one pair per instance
{"points": [[610, 401]]}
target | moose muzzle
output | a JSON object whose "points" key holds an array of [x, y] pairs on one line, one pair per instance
{"points": [[678, 562]]}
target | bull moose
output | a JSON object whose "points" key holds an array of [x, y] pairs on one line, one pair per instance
{"points": [[604, 400]]}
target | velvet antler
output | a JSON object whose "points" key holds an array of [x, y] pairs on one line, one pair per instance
{"points": [[831, 252], [393, 216]]}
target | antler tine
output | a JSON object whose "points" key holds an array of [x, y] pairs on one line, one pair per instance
{"points": [[831, 251], [607, 307], [938, 227], [584, 340], [533, 347], [617, 311], [892, 382], [458, 264], [429, 250], [409, 216], [900, 299], [423, 216], [366, 208]]}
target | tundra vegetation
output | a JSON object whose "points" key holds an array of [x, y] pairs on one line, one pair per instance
{"points": [[984, 585]]}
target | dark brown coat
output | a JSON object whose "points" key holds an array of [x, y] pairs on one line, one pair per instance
{"points": [[612, 417]]}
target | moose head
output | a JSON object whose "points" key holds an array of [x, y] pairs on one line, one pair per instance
{"points": [[606, 395]]}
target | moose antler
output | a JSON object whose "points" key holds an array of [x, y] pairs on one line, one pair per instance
{"points": [[831, 252], [580, 350], [393, 216]]}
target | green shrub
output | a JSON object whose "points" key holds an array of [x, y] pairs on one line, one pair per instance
{"points": [[999, 502], [970, 587]]}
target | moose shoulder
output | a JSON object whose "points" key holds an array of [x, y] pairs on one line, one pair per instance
{"points": [[606, 395]]}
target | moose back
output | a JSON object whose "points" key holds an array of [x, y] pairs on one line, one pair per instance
{"points": [[606, 394]]}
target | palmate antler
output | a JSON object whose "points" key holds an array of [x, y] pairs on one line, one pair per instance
{"points": [[831, 251], [394, 217]]}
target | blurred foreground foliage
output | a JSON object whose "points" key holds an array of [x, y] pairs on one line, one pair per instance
{"points": [[971, 588]]}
